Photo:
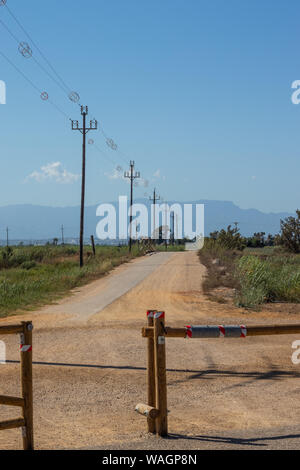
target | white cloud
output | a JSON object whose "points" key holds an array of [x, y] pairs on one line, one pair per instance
{"points": [[142, 183], [53, 172], [157, 175]]}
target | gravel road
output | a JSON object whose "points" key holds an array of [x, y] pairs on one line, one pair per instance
{"points": [[90, 360]]}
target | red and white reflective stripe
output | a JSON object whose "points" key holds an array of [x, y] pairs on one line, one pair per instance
{"points": [[159, 315], [243, 331], [25, 347], [188, 331], [216, 331], [222, 331], [150, 313]]}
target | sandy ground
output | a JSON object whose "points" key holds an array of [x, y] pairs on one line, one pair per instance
{"points": [[89, 370]]}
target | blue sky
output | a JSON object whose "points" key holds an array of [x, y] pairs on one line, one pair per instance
{"points": [[198, 93]]}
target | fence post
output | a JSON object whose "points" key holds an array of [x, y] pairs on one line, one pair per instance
{"points": [[26, 384], [150, 372], [160, 373], [93, 245]]}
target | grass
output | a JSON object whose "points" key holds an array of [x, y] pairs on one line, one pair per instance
{"points": [[276, 278], [258, 275], [177, 247], [34, 276]]}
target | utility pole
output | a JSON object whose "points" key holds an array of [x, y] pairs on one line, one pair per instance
{"points": [[154, 201], [84, 130], [132, 176], [166, 227], [62, 235], [173, 227], [7, 241]]}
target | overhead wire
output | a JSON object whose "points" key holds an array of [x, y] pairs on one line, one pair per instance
{"points": [[32, 56], [37, 47], [61, 84], [31, 83]]}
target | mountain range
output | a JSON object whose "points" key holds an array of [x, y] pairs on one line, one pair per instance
{"points": [[34, 222]]}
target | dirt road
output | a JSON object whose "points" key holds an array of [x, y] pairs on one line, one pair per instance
{"points": [[90, 361]]}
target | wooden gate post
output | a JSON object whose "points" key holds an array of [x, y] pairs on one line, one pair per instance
{"points": [[26, 384], [93, 245], [160, 373], [150, 372]]}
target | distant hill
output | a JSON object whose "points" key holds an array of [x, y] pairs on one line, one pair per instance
{"points": [[33, 222]]}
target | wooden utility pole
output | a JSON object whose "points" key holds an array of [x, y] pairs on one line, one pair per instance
{"points": [[132, 176], [166, 226], [84, 130], [154, 201], [173, 227], [7, 241]]}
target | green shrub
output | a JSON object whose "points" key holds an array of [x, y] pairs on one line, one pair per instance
{"points": [[28, 265], [273, 279]]}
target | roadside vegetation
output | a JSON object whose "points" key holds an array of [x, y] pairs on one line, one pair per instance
{"points": [[32, 276], [170, 247], [257, 269]]}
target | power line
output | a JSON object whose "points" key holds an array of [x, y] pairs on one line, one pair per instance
{"points": [[36, 88], [63, 86], [73, 96], [38, 49], [20, 72], [109, 141], [29, 55], [112, 145], [104, 154]]}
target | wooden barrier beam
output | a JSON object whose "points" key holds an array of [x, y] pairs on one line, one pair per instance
{"points": [[253, 330], [11, 329], [147, 411], [12, 424], [11, 401], [260, 330], [147, 332]]}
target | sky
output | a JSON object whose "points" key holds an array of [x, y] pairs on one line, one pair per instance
{"points": [[197, 93]]}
